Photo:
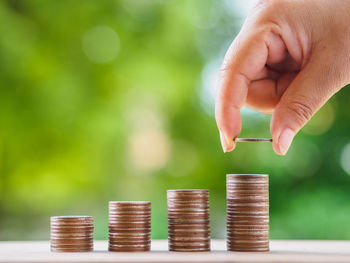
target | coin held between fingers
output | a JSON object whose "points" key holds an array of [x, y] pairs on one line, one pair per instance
{"points": [[253, 140]]}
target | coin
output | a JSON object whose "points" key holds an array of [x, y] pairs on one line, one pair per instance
{"points": [[253, 140], [128, 249], [188, 220], [129, 226], [59, 249], [71, 233], [189, 249], [247, 212]]}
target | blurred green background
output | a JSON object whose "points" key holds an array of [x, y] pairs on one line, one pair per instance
{"points": [[113, 100]]}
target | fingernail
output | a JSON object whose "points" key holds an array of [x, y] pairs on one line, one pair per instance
{"points": [[231, 144], [285, 140], [223, 142], [226, 143]]}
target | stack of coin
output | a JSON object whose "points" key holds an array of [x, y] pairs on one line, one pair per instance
{"points": [[72, 233], [188, 220], [129, 226], [248, 212]]}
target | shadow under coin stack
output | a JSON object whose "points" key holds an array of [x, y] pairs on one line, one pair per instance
{"points": [[129, 226], [188, 220], [247, 212], [71, 233]]}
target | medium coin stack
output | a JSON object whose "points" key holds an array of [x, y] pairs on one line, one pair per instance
{"points": [[247, 212], [71, 233], [129, 226], [188, 220]]}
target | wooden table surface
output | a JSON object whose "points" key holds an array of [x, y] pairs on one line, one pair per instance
{"points": [[281, 251]]}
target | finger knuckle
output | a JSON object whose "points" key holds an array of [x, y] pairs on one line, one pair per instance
{"points": [[301, 109], [224, 67], [265, 18]]}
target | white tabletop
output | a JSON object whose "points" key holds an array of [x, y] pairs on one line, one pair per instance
{"points": [[281, 251]]}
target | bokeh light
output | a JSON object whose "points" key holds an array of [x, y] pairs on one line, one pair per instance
{"points": [[101, 44], [149, 149], [345, 158], [208, 86]]}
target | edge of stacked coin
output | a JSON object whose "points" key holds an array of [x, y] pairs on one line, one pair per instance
{"points": [[248, 212], [71, 233], [188, 220], [129, 226]]}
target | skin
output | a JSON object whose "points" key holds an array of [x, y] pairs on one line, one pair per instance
{"points": [[288, 59]]}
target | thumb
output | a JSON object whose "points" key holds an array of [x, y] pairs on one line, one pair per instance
{"points": [[310, 89]]}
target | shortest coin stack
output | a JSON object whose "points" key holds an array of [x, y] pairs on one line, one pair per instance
{"points": [[71, 233], [188, 220], [129, 226]]}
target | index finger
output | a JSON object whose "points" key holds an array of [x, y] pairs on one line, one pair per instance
{"points": [[244, 60]]}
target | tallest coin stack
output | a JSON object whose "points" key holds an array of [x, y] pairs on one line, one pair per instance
{"points": [[247, 212]]}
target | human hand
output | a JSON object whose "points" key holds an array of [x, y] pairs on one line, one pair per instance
{"points": [[288, 59]]}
